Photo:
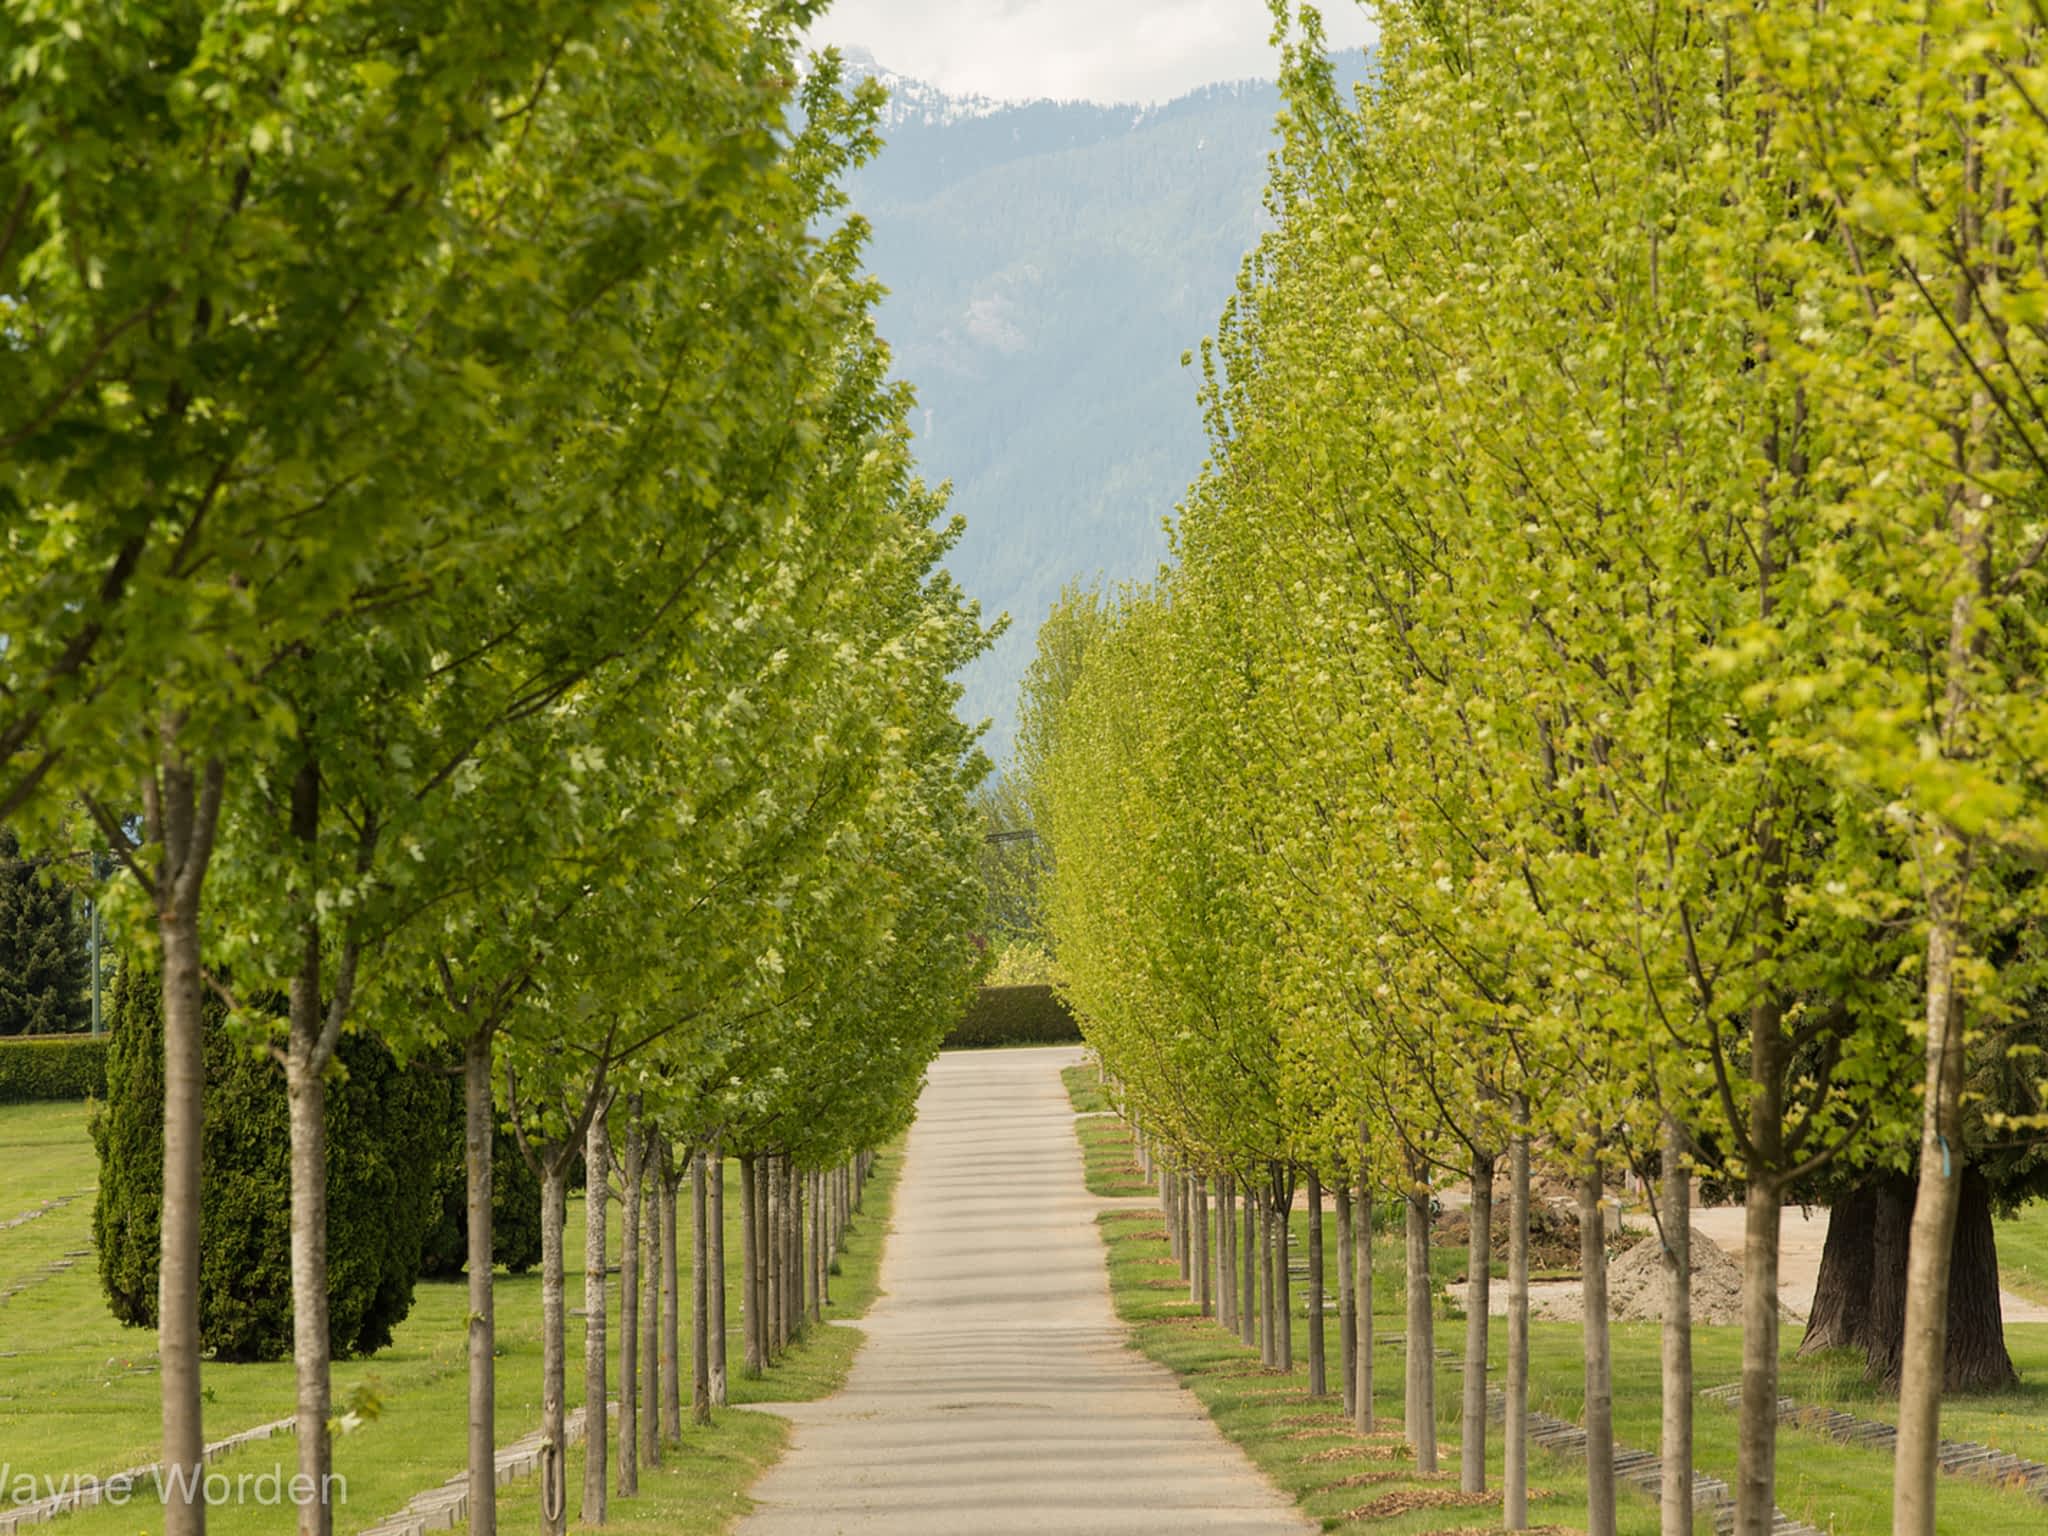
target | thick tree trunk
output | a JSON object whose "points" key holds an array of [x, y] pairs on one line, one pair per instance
{"points": [[1361, 1280], [597, 1167], [672, 1178], [554, 1491], [1515, 1421], [629, 1311], [478, 1122], [1675, 1445], [717, 1220], [700, 1291], [1883, 1322], [750, 1266], [1600, 1513], [1478, 1299], [1347, 1302], [1841, 1291], [1318, 1366], [1977, 1360], [1419, 1419]]}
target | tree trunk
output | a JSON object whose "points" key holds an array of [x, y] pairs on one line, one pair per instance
{"points": [[750, 1266], [1675, 1445], [1515, 1423], [717, 1219], [1977, 1360], [1599, 1362], [597, 1167], [1361, 1280], [1347, 1302], [793, 1291], [1283, 1280], [1204, 1297], [1841, 1291], [1420, 1416], [650, 1303], [1248, 1302], [1478, 1301], [1226, 1252], [478, 1122], [306, 1092], [820, 1255], [184, 830], [671, 1299], [629, 1311], [554, 1492], [1318, 1365], [1269, 1335], [700, 1291], [1757, 1420], [773, 1320]]}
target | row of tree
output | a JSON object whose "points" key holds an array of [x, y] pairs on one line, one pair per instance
{"points": [[1598, 702], [463, 560]]}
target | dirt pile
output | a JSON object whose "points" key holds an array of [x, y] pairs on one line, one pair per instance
{"points": [[1635, 1283], [1553, 1235]]}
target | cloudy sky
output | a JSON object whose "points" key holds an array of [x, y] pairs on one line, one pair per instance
{"points": [[1101, 50]]}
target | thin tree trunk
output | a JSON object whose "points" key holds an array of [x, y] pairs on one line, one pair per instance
{"points": [[1420, 1348], [1269, 1335], [1347, 1301], [1203, 1298], [1924, 1356], [700, 1291], [750, 1267], [650, 1303], [1248, 1299], [1226, 1251], [820, 1254], [1515, 1424], [671, 1299], [1318, 1366], [306, 1091], [1599, 1366], [478, 1123], [1675, 1446], [718, 1339], [1283, 1280], [1757, 1419], [774, 1320], [629, 1311], [182, 812], [554, 1492], [597, 1163], [1361, 1280], [1478, 1303]]}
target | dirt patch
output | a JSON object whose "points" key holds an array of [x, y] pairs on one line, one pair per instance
{"points": [[1361, 1480], [1327, 1432], [1635, 1283], [1553, 1235], [1389, 1505], [1527, 1530]]}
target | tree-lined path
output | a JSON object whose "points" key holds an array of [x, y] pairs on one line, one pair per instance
{"points": [[995, 1392]]}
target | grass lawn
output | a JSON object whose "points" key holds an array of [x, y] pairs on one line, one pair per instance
{"points": [[2023, 1253], [1834, 1487], [79, 1393]]}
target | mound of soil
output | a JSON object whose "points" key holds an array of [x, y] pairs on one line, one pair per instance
{"points": [[1553, 1235], [1635, 1283]]}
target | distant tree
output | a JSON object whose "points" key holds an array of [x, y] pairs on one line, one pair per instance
{"points": [[42, 949]]}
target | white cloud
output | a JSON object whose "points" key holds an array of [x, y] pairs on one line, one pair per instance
{"points": [[1097, 50]]}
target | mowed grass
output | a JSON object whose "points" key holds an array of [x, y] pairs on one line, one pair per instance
{"points": [[2023, 1253], [1084, 1087], [1303, 1445], [79, 1394]]}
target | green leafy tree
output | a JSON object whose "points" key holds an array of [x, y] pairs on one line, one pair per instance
{"points": [[44, 964]]}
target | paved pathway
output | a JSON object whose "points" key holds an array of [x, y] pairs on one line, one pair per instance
{"points": [[995, 1393]]}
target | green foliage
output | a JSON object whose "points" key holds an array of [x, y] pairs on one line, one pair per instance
{"points": [[35, 1069], [44, 966], [385, 1131], [515, 1207], [1015, 1015]]}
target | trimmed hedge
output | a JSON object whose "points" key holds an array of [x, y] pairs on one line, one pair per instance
{"points": [[41, 1067], [1016, 1016]]}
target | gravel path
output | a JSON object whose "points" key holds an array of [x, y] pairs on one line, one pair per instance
{"points": [[996, 1393]]}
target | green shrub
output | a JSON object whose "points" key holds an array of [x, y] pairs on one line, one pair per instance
{"points": [[515, 1207], [37, 1067], [1016, 1016], [385, 1126]]}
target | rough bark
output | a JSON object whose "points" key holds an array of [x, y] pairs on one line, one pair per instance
{"points": [[1599, 1362], [479, 1121], [597, 1163], [1419, 1419], [629, 1311], [1478, 1284], [1318, 1366], [1675, 1443], [1347, 1302], [1515, 1422], [717, 1221], [700, 1291], [554, 1492], [1841, 1291]]}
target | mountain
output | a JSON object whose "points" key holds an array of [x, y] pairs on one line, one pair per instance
{"points": [[1047, 264]]}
